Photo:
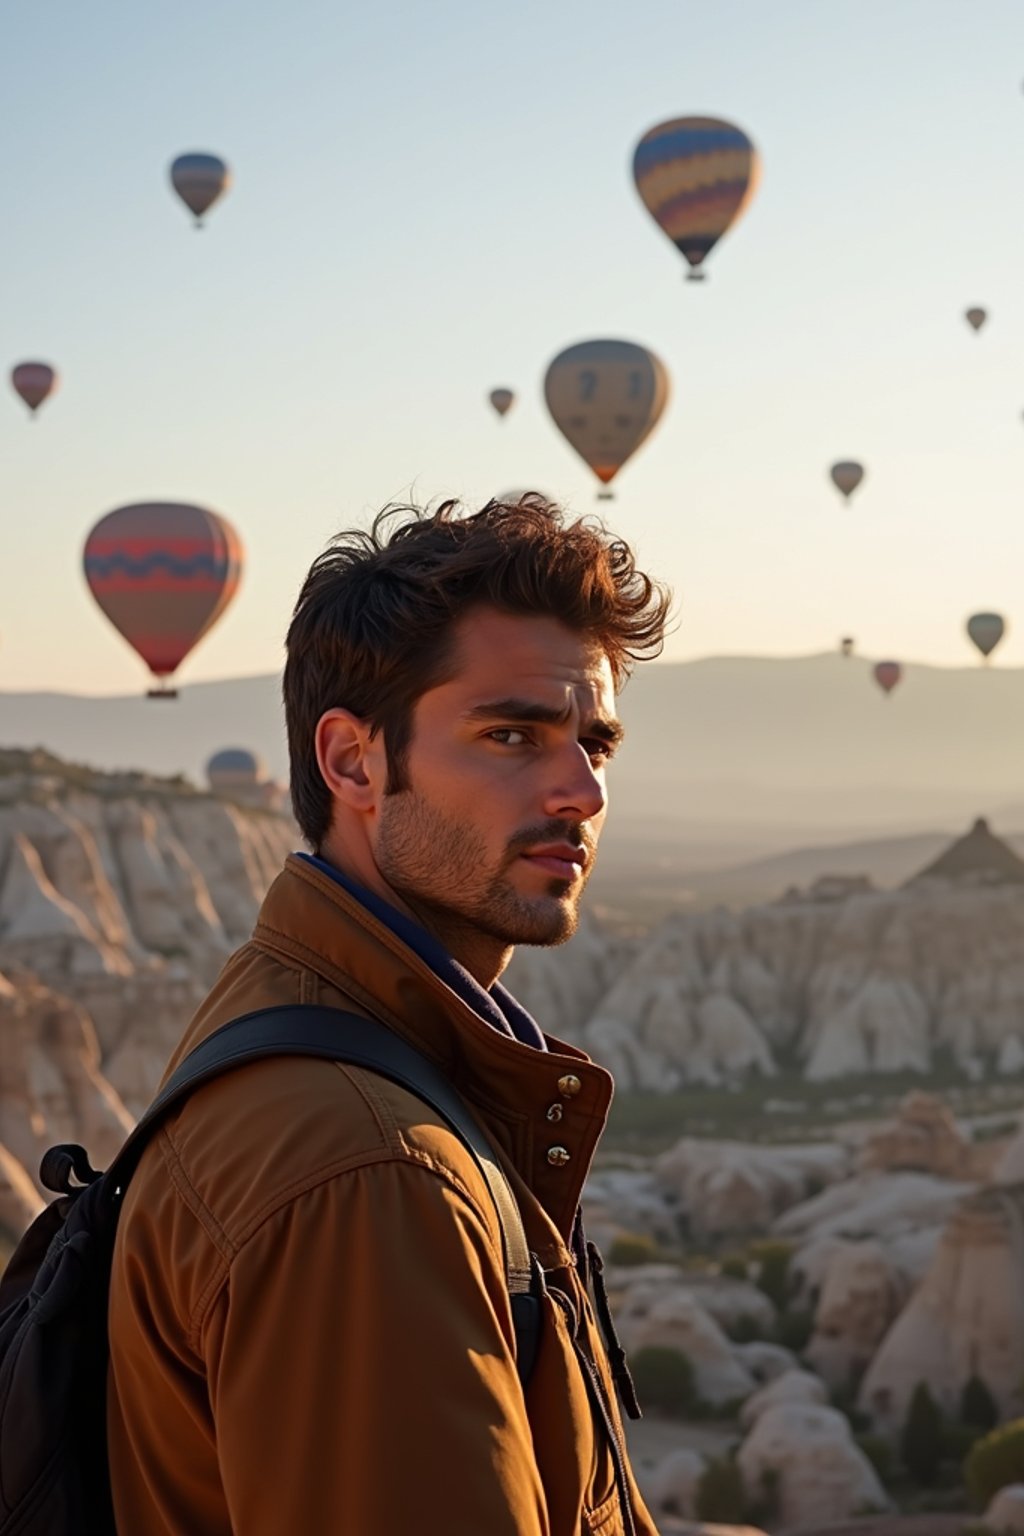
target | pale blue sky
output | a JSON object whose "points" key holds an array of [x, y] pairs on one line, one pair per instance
{"points": [[431, 200]]}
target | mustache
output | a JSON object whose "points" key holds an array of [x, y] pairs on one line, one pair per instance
{"points": [[576, 833]]}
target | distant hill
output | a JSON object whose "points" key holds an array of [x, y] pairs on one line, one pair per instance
{"points": [[745, 754], [639, 884]]}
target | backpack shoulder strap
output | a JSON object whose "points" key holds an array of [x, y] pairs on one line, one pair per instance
{"points": [[304, 1029]]}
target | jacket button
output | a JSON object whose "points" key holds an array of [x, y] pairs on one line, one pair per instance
{"points": [[558, 1156], [555, 1112], [569, 1085]]}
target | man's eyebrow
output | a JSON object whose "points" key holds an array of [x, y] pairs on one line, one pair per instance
{"points": [[530, 712]]}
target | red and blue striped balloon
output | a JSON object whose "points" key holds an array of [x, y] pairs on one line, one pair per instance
{"points": [[163, 573]]}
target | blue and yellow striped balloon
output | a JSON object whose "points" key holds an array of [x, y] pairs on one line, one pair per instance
{"points": [[695, 175]]}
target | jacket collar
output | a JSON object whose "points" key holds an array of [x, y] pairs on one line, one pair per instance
{"points": [[497, 1005], [537, 1105]]}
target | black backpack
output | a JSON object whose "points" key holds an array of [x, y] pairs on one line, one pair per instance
{"points": [[54, 1478]]}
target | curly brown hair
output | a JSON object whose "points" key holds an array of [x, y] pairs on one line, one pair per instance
{"points": [[373, 626]]}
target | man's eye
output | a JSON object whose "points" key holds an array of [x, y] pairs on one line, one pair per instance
{"points": [[596, 746], [505, 735]]}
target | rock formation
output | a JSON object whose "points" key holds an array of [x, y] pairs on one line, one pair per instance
{"points": [[1005, 1513], [120, 898], [922, 1138], [791, 1387], [51, 1089], [978, 858], [808, 1454], [893, 1207], [864, 982], [965, 1319], [671, 1489], [669, 1316], [720, 1187], [861, 1294]]}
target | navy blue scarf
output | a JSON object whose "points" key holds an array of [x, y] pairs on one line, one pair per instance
{"points": [[496, 1007]]}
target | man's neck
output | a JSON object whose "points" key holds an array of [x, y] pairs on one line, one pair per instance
{"points": [[482, 955]]}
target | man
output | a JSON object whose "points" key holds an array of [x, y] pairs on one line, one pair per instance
{"points": [[310, 1328]]}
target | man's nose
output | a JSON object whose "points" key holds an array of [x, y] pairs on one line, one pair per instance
{"points": [[578, 792]]}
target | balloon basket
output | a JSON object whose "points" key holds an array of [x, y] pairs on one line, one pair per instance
{"points": [[162, 693], [696, 277], [606, 495]]}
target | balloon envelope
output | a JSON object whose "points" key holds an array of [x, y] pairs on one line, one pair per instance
{"points": [[976, 318], [163, 573], [887, 674], [235, 768], [34, 382], [846, 645], [514, 497], [695, 176], [847, 475], [502, 399], [606, 397], [199, 180], [986, 630]]}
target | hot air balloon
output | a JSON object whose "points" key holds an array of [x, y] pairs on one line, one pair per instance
{"points": [[502, 399], [847, 475], [34, 382], [846, 645], [514, 497], [199, 181], [986, 630], [606, 397], [976, 318], [695, 176], [887, 674], [163, 572], [235, 768]]}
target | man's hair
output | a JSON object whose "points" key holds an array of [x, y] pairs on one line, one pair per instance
{"points": [[373, 627]]}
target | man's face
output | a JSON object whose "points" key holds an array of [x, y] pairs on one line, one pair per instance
{"points": [[497, 831]]}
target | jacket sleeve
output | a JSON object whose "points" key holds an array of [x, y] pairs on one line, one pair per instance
{"points": [[361, 1368]]}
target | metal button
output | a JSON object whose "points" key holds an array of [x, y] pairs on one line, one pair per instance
{"points": [[555, 1112], [558, 1156], [569, 1085]]}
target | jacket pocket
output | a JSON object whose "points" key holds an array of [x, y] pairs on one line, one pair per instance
{"points": [[606, 1519]]}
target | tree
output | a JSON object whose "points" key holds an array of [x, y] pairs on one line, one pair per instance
{"points": [[664, 1379], [721, 1495], [921, 1442], [977, 1405], [772, 1260]]}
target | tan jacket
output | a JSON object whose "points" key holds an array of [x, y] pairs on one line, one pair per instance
{"points": [[310, 1331]]}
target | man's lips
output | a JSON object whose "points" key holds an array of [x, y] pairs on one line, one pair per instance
{"points": [[561, 860]]}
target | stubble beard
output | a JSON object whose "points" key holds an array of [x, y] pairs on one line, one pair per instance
{"points": [[438, 865]]}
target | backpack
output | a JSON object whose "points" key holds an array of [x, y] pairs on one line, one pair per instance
{"points": [[54, 1478]]}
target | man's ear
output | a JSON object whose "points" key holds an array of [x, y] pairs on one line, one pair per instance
{"points": [[351, 761]]}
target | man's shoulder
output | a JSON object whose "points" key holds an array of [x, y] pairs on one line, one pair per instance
{"points": [[266, 1133]]}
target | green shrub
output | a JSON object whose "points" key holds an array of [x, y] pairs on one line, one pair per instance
{"points": [[745, 1329], [977, 1405], [720, 1493], [794, 1329], [921, 1441], [663, 1379], [633, 1250], [995, 1460], [957, 1440], [734, 1265], [764, 1510], [772, 1263], [878, 1451]]}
